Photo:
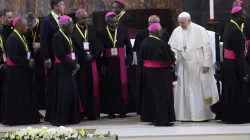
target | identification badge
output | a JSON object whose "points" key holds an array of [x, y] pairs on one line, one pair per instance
{"points": [[114, 52], [28, 55], [86, 46], [4, 57], [73, 56]]}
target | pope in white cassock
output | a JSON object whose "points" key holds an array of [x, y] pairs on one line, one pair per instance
{"points": [[196, 89]]}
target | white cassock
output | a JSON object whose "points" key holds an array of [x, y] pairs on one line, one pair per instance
{"points": [[195, 92]]}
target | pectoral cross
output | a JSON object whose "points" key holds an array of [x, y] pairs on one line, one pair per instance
{"points": [[184, 48]]}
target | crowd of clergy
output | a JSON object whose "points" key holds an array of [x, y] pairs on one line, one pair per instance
{"points": [[76, 71]]}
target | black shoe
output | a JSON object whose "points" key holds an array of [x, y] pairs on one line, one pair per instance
{"points": [[151, 124], [123, 116], [204, 121], [91, 118], [166, 124], [111, 116]]}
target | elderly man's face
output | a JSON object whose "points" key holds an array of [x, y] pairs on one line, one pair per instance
{"points": [[184, 22], [82, 18], [113, 23]]}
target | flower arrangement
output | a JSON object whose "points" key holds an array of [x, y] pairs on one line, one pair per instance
{"points": [[61, 133]]}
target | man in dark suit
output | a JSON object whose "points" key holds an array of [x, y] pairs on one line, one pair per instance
{"points": [[33, 40], [124, 18], [48, 28], [7, 19]]}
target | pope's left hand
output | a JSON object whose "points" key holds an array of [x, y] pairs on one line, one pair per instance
{"points": [[205, 70]]}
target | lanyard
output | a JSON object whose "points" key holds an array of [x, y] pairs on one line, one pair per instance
{"points": [[34, 35], [55, 19], [23, 40], [110, 36], [86, 31], [122, 13], [154, 37], [68, 39], [235, 24], [241, 29], [1, 44], [242, 26]]}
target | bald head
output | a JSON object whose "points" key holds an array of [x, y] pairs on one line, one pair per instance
{"points": [[184, 20], [238, 3], [21, 25], [153, 19]]}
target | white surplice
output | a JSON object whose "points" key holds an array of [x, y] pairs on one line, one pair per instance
{"points": [[193, 87]]}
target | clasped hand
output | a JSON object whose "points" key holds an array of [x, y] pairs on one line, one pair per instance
{"points": [[36, 46], [76, 70]]}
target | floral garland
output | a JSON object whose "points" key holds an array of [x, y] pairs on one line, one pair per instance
{"points": [[61, 133]]}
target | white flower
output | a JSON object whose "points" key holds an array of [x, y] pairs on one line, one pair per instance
{"points": [[48, 133], [44, 128], [75, 135], [61, 127], [12, 137], [26, 137], [20, 133], [33, 133], [29, 128], [90, 135], [40, 134]]}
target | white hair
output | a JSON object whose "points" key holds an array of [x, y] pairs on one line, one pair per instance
{"points": [[184, 15]]}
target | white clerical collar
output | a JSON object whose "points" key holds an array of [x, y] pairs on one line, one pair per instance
{"points": [[83, 27], [121, 13], [56, 16]]}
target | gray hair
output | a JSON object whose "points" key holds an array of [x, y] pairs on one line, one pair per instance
{"points": [[149, 19], [29, 17], [64, 23]]}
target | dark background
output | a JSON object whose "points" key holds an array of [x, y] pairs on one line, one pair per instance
{"points": [[198, 9]]}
